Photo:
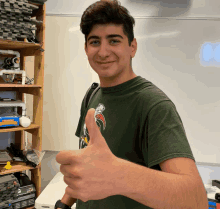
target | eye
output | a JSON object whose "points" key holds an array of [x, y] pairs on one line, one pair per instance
{"points": [[116, 41]]}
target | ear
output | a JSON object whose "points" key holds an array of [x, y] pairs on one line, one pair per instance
{"points": [[134, 47]]}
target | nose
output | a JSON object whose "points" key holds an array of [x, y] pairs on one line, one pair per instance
{"points": [[104, 50]]}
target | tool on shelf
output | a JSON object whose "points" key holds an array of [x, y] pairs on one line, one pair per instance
{"points": [[16, 152], [10, 68]]}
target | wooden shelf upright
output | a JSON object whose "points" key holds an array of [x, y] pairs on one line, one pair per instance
{"points": [[37, 89]]}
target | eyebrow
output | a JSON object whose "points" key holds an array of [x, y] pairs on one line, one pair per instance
{"points": [[108, 36]]}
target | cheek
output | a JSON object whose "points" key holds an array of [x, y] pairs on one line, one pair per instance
{"points": [[124, 54]]}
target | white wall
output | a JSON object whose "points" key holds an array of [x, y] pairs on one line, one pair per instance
{"points": [[157, 8]]}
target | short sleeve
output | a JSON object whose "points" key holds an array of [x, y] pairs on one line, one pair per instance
{"points": [[166, 137]]}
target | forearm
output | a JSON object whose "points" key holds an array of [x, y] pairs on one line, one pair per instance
{"points": [[157, 189], [68, 200]]}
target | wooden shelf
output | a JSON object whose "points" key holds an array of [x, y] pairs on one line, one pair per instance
{"points": [[19, 85], [19, 128], [19, 45], [16, 167], [37, 50]]}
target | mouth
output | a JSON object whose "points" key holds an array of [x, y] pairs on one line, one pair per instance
{"points": [[105, 64]]}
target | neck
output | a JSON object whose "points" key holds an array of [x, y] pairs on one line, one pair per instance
{"points": [[114, 81]]}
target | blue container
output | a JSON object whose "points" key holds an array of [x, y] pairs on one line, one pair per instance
{"points": [[9, 121]]}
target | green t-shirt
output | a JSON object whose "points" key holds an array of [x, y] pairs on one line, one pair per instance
{"points": [[140, 124]]}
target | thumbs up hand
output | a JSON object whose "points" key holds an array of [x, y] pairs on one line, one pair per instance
{"points": [[90, 173]]}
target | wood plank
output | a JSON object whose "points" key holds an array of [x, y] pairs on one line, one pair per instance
{"points": [[19, 128], [11, 85], [15, 45], [17, 167]]}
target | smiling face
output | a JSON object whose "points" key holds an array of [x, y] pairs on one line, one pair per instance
{"points": [[108, 43]]}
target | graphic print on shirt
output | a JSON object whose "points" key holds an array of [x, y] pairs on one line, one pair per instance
{"points": [[100, 121]]}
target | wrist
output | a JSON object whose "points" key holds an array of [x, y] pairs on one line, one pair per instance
{"points": [[61, 205], [68, 200]]}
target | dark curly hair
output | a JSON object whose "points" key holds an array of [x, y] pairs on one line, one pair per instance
{"points": [[105, 12]]}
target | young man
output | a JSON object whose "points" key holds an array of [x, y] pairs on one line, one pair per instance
{"points": [[110, 59], [138, 121]]}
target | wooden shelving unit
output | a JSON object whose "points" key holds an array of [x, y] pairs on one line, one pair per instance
{"points": [[37, 89]]}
